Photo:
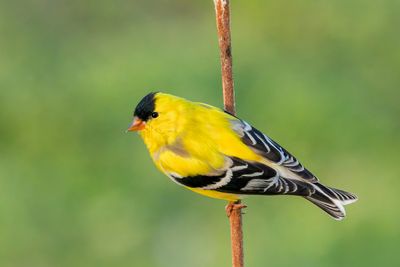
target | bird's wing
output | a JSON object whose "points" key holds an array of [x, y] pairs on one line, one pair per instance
{"points": [[270, 150], [245, 177]]}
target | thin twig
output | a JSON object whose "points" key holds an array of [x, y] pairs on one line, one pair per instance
{"points": [[224, 38], [234, 209]]}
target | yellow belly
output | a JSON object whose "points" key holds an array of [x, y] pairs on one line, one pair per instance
{"points": [[215, 194]]}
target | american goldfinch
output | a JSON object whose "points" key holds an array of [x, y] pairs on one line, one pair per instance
{"points": [[216, 154]]}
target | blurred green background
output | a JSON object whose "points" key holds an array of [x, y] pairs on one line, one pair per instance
{"points": [[320, 77]]}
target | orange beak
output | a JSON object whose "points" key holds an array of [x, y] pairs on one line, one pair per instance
{"points": [[136, 125]]}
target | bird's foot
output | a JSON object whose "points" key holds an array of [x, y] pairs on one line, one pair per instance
{"points": [[233, 206]]}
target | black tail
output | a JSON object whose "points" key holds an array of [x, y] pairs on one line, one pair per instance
{"points": [[331, 200]]}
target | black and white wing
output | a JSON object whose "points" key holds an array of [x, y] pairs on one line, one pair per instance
{"points": [[329, 199], [244, 177], [270, 150]]}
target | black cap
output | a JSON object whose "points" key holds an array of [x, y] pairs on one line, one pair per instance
{"points": [[145, 107]]}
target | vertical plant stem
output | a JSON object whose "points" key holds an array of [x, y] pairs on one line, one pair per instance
{"points": [[224, 39], [235, 221], [234, 209]]}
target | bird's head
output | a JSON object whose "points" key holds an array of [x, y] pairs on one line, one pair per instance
{"points": [[158, 118]]}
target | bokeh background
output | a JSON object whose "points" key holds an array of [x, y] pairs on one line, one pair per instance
{"points": [[320, 77]]}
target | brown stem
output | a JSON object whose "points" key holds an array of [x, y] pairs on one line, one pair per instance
{"points": [[234, 209], [224, 39], [235, 221]]}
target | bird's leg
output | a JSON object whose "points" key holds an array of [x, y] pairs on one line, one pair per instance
{"points": [[233, 206]]}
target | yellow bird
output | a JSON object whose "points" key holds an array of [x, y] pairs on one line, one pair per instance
{"points": [[216, 154]]}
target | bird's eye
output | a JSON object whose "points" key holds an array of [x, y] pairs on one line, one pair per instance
{"points": [[154, 114]]}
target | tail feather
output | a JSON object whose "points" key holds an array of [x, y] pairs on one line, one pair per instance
{"points": [[343, 196], [331, 200]]}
